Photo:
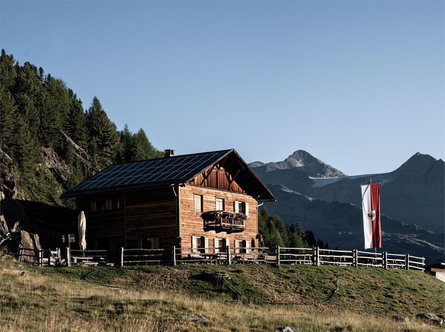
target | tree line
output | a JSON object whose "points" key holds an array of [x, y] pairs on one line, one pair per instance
{"points": [[40, 111], [275, 233]]}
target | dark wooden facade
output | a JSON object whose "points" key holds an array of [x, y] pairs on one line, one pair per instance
{"points": [[167, 215], [141, 215]]}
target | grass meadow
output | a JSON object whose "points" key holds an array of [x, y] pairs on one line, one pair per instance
{"points": [[191, 298]]}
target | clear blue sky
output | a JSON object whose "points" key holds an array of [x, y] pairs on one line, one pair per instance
{"points": [[358, 84]]}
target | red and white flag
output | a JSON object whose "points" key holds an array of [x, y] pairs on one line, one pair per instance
{"points": [[371, 215]]}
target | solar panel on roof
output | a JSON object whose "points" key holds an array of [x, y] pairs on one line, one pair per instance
{"points": [[157, 170]]}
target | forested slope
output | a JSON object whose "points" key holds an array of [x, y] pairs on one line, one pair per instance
{"points": [[48, 141]]}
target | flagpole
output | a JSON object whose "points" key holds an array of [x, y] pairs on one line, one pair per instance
{"points": [[375, 249]]}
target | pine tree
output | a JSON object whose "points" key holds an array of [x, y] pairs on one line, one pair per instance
{"points": [[143, 148], [8, 71], [127, 146], [104, 132], [75, 125], [279, 225], [309, 238], [7, 113]]}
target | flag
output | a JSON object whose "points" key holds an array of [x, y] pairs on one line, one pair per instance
{"points": [[371, 215]]}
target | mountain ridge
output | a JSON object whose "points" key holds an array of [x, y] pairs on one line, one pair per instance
{"points": [[303, 161], [412, 195]]}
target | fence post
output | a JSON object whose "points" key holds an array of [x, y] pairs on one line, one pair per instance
{"points": [[407, 262], [317, 256], [174, 255], [68, 256], [122, 256], [385, 260], [40, 262], [355, 258], [228, 254], [278, 255]]}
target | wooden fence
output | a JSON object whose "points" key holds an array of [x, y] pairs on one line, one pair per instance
{"points": [[40, 256], [227, 255]]}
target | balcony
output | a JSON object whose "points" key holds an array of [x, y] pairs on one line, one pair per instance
{"points": [[224, 221]]}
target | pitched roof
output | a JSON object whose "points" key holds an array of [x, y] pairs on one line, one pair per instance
{"points": [[158, 172]]}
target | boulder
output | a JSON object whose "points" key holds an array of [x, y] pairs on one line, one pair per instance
{"points": [[285, 329], [29, 243], [4, 229], [430, 318]]}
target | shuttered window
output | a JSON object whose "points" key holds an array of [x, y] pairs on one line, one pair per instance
{"points": [[224, 245], [197, 203], [241, 207], [108, 204], [219, 202], [199, 244], [93, 206], [218, 244]]}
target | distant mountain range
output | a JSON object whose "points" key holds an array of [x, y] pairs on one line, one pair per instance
{"points": [[328, 202]]}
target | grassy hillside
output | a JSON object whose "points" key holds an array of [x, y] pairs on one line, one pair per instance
{"points": [[174, 298]]}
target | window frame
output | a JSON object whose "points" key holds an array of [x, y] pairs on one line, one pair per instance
{"points": [[200, 198], [223, 203]]}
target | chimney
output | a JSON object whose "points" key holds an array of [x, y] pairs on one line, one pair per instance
{"points": [[169, 153]]}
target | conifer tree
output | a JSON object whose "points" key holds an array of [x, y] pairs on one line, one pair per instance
{"points": [[7, 114], [104, 132], [275, 233], [75, 125], [143, 148], [127, 146]]}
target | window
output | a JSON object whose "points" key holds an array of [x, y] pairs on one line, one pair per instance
{"points": [[108, 204], [219, 204], [241, 246], [241, 207], [199, 244], [237, 246], [116, 204], [197, 203], [93, 206], [150, 243], [246, 245], [219, 244]]}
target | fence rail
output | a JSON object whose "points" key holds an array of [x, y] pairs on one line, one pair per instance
{"points": [[223, 255]]}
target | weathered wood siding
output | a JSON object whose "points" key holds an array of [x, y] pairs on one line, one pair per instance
{"points": [[102, 225], [191, 223], [142, 213], [217, 177], [151, 213]]}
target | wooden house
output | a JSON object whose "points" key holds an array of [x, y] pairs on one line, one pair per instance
{"points": [[191, 201]]}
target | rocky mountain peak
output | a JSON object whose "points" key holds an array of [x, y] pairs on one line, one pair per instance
{"points": [[304, 161], [417, 163]]}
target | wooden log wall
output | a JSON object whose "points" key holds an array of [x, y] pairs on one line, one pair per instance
{"points": [[102, 225], [191, 222], [151, 213], [141, 214]]}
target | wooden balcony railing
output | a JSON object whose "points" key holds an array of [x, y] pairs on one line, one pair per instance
{"points": [[224, 221]]}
